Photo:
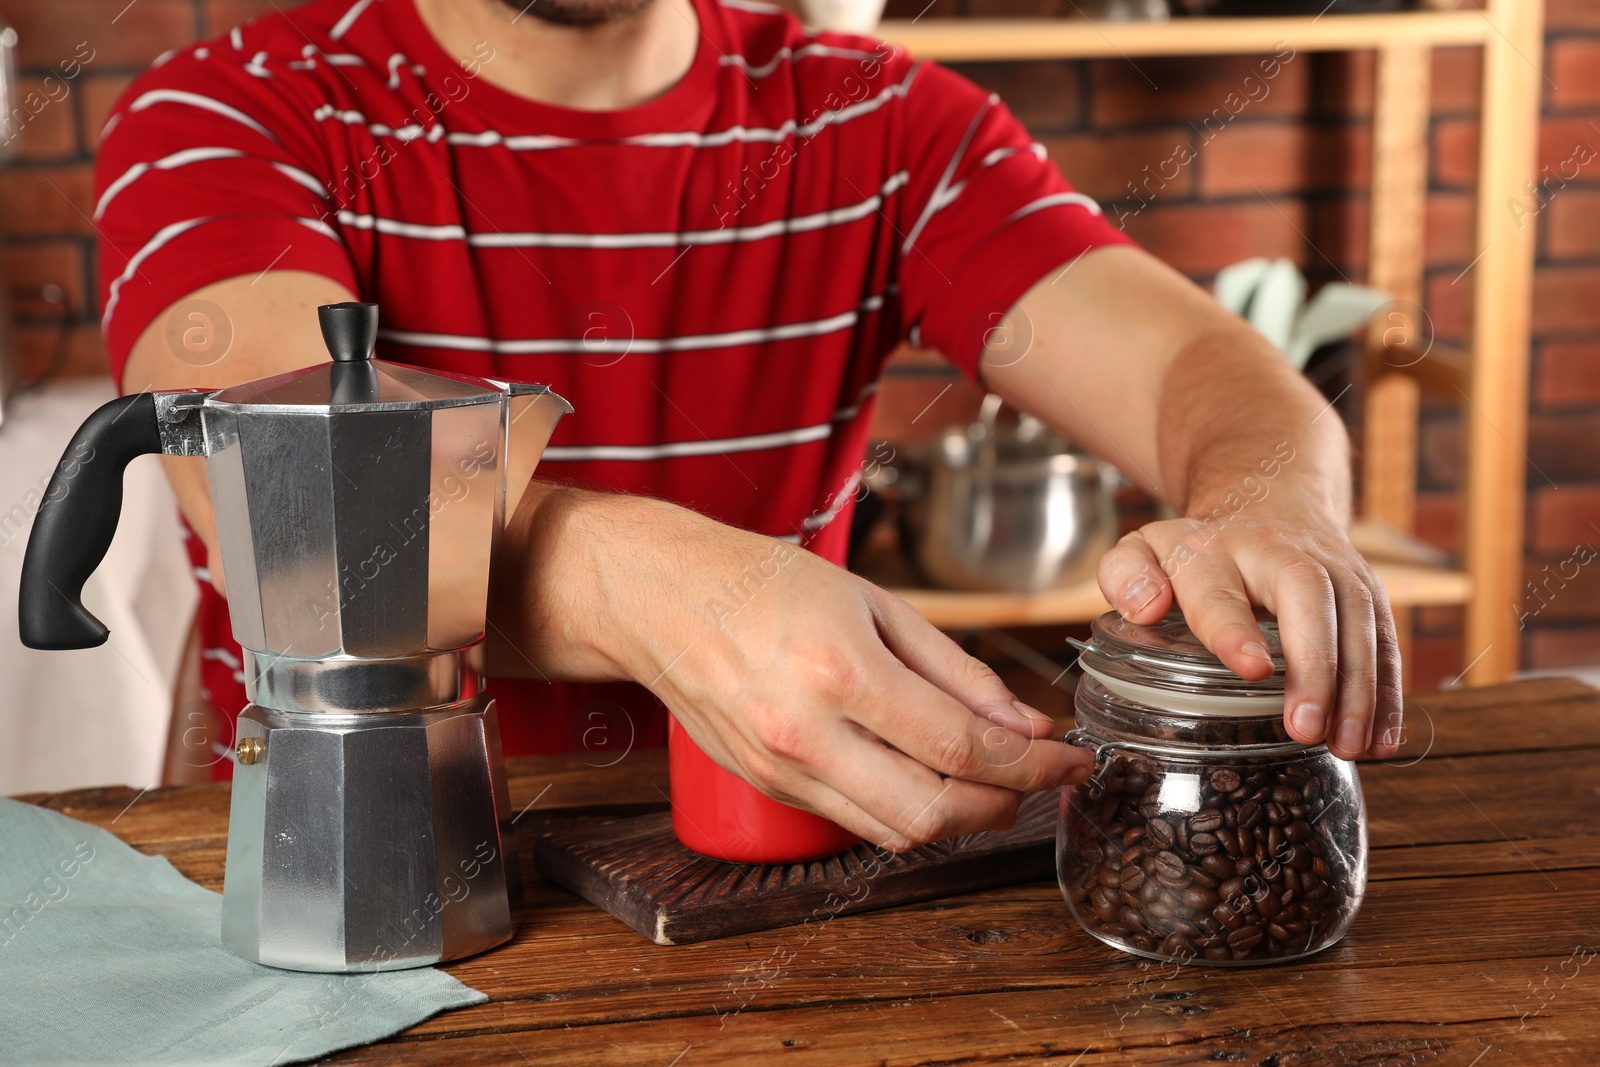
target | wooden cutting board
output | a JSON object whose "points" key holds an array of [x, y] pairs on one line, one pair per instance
{"points": [[635, 869]]}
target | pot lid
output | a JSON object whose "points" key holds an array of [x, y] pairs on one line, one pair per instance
{"points": [[1165, 663], [354, 381]]}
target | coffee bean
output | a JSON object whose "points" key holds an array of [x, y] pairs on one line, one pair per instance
{"points": [[1245, 938], [1173, 881], [1150, 891], [1198, 876], [1225, 780], [1110, 877], [1280, 933], [1132, 878], [1277, 814], [1231, 890], [1199, 898], [1205, 822], [1221, 952], [1282, 794], [1297, 832], [1176, 945], [1204, 844], [1133, 836], [1170, 863], [1218, 866], [1160, 832], [1249, 814]]}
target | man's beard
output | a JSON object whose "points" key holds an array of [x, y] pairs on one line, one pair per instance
{"points": [[578, 12]]}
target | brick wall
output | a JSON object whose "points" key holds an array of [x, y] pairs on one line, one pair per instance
{"points": [[1285, 177]]}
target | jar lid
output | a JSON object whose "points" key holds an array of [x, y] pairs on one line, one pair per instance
{"points": [[1164, 664]]}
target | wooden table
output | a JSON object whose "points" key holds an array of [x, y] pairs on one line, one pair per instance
{"points": [[1476, 945]]}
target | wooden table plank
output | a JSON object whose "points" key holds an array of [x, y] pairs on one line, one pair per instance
{"points": [[1485, 880], [1016, 938], [1276, 1017]]}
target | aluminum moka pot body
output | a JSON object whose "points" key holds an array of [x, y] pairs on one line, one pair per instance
{"points": [[358, 504]]}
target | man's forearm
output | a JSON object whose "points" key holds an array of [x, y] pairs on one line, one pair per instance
{"points": [[1240, 428]]}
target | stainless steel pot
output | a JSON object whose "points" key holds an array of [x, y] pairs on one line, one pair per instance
{"points": [[995, 508]]}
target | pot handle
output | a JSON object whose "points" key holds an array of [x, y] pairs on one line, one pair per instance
{"points": [[76, 521], [892, 480], [1028, 427]]}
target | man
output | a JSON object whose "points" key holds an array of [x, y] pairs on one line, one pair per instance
{"points": [[707, 229]]}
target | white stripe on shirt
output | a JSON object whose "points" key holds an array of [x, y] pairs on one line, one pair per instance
{"points": [[724, 235], [169, 233], [342, 27], [794, 54], [163, 235], [643, 346], [1051, 201], [683, 449], [378, 129], [198, 155], [710, 447], [176, 159], [668, 139], [205, 103]]}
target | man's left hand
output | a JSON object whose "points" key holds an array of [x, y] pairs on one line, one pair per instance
{"points": [[1333, 614]]}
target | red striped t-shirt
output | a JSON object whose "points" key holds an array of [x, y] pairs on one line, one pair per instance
{"points": [[713, 278]]}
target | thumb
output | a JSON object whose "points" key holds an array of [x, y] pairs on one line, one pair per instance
{"points": [[1132, 581]]}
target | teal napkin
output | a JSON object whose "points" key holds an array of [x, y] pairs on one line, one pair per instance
{"points": [[108, 956]]}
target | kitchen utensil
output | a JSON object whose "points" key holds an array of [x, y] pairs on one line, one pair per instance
{"points": [[1003, 509], [357, 504]]}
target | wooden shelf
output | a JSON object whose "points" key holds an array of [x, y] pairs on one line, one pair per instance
{"points": [[1491, 379], [1410, 570], [976, 39], [1409, 585]]}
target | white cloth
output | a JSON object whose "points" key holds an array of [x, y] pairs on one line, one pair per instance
{"points": [[97, 716]]}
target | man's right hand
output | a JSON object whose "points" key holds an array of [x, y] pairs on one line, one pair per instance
{"points": [[812, 684]]}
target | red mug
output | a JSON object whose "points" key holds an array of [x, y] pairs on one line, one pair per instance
{"points": [[718, 814]]}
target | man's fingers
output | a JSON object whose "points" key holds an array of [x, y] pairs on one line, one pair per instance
{"points": [[1388, 715], [916, 643], [1216, 605], [1133, 582], [1295, 587], [896, 792], [939, 732], [1351, 729], [931, 654]]}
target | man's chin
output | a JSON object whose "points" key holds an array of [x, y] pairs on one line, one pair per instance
{"points": [[578, 12]]}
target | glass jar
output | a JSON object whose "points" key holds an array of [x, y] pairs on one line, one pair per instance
{"points": [[1205, 832]]}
